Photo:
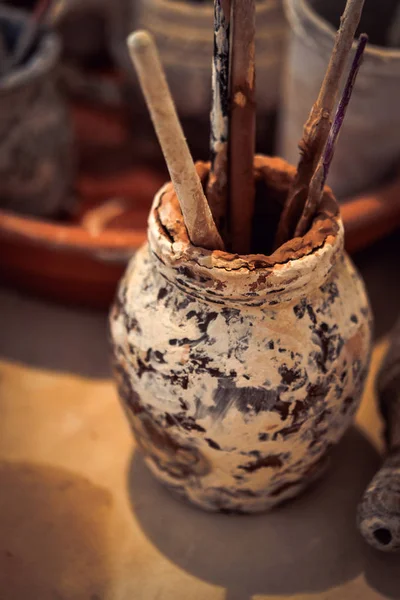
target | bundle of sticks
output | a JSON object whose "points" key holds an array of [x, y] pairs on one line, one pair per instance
{"points": [[221, 217]]}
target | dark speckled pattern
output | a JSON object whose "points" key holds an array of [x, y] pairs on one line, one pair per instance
{"points": [[236, 409], [239, 374]]}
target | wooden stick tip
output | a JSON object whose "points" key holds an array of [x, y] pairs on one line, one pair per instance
{"points": [[139, 41]]}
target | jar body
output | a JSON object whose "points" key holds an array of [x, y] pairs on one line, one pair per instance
{"points": [[236, 406]]}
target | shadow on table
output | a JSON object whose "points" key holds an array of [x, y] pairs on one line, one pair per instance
{"points": [[308, 545], [382, 572], [54, 529], [50, 336]]}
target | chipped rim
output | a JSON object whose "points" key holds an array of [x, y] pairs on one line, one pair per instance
{"points": [[299, 265]]}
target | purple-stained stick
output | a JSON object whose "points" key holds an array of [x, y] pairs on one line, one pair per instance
{"points": [[317, 127], [343, 105], [320, 176], [217, 190]]}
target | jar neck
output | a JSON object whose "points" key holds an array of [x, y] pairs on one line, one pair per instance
{"points": [[248, 283], [294, 270]]}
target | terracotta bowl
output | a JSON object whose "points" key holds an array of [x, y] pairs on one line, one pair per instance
{"points": [[80, 258], [80, 263]]}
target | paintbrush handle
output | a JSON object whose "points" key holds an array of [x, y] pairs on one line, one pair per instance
{"points": [[196, 212], [319, 178]]}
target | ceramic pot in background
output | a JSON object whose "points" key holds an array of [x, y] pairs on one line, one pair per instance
{"points": [[36, 139], [239, 373], [378, 515], [183, 31], [368, 150], [82, 27]]}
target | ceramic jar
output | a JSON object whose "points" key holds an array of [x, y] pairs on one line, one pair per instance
{"points": [[238, 374], [36, 139], [183, 31], [368, 151]]}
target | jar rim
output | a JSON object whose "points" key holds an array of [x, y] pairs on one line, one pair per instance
{"points": [[298, 263]]}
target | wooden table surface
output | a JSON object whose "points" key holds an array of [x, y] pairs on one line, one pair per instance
{"points": [[82, 519]]}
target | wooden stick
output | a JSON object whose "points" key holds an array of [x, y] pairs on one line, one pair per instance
{"points": [[320, 176], [217, 189], [317, 127], [243, 125], [196, 212]]}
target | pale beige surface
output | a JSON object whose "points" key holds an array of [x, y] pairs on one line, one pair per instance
{"points": [[81, 518]]}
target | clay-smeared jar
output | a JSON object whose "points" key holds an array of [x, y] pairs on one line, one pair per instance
{"points": [[36, 138], [239, 373]]}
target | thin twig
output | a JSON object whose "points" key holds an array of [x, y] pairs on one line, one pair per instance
{"points": [[319, 179], [196, 212], [243, 125], [217, 189], [317, 127]]}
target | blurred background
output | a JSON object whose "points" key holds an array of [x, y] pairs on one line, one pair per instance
{"points": [[79, 160], [79, 167]]}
